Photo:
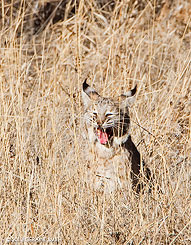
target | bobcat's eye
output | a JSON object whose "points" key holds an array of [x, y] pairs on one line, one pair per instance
{"points": [[94, 113], [109, 114]]}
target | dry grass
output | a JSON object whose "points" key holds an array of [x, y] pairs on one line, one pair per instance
{"points": [[42, 172]]}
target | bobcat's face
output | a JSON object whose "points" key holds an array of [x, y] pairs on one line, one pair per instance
{"points": [[107, 120]]}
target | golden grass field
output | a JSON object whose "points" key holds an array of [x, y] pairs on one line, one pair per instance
{"points": [[43, 191]]}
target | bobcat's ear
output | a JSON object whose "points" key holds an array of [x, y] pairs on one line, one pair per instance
{"points": [[88, 94], [128, 98]]}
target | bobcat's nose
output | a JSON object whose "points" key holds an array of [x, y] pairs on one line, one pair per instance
{"points": [[100, 121]]}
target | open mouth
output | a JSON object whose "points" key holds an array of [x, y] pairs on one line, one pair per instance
{"points": [[104, 135]]}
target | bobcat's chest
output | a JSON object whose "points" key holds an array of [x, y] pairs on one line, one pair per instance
{"points": [[108, 171]]}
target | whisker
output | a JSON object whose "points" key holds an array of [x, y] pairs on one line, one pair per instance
{"points": [[121, 120], [121, 124]]}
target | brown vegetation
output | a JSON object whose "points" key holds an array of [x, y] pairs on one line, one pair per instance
{"points": [[42, 169]]}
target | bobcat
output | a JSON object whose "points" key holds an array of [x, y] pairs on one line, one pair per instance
{"points": [[113, 157]]}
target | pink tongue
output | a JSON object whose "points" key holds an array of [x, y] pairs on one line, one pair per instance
{"points": [[103, 137]]}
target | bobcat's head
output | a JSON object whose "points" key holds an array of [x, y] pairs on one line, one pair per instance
{"points": [[107, 119]]}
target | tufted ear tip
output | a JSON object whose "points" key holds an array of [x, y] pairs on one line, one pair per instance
{"points": [[131, 92], [88, 94], [89, 90], [85, 85], [128, 98], [134, 90]]}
